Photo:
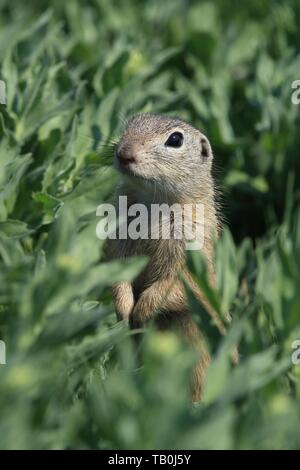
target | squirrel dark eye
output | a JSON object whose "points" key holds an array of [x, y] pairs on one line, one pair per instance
{"points": [[175, 140]]}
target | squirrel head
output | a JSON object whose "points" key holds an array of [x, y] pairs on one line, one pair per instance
{"points": [[165, 152]]}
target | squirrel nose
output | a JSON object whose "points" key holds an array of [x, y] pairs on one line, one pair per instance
{"points": [[126, 155]]}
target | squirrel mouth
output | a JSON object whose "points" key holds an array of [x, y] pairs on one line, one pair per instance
{"points": [[131, 169], [128, 168]]}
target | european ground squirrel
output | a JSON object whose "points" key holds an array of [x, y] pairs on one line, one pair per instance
{"points": [[165, 160]]}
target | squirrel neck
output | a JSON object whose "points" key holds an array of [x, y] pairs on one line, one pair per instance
{"points": [[142, 192]]}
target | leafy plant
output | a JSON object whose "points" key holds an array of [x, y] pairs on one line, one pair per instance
{"points": [[74, 72]]}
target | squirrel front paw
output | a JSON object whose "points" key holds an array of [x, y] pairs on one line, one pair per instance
{"points": [[139, 315], [134, 323], [135, 320]]}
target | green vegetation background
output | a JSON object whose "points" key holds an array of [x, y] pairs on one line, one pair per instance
{"points": [[74, 72]]}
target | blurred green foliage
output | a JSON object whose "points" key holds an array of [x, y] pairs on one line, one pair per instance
{"points": [[74, 72]]}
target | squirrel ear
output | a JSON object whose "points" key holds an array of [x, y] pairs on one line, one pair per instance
{"points": [[206, 152]]}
